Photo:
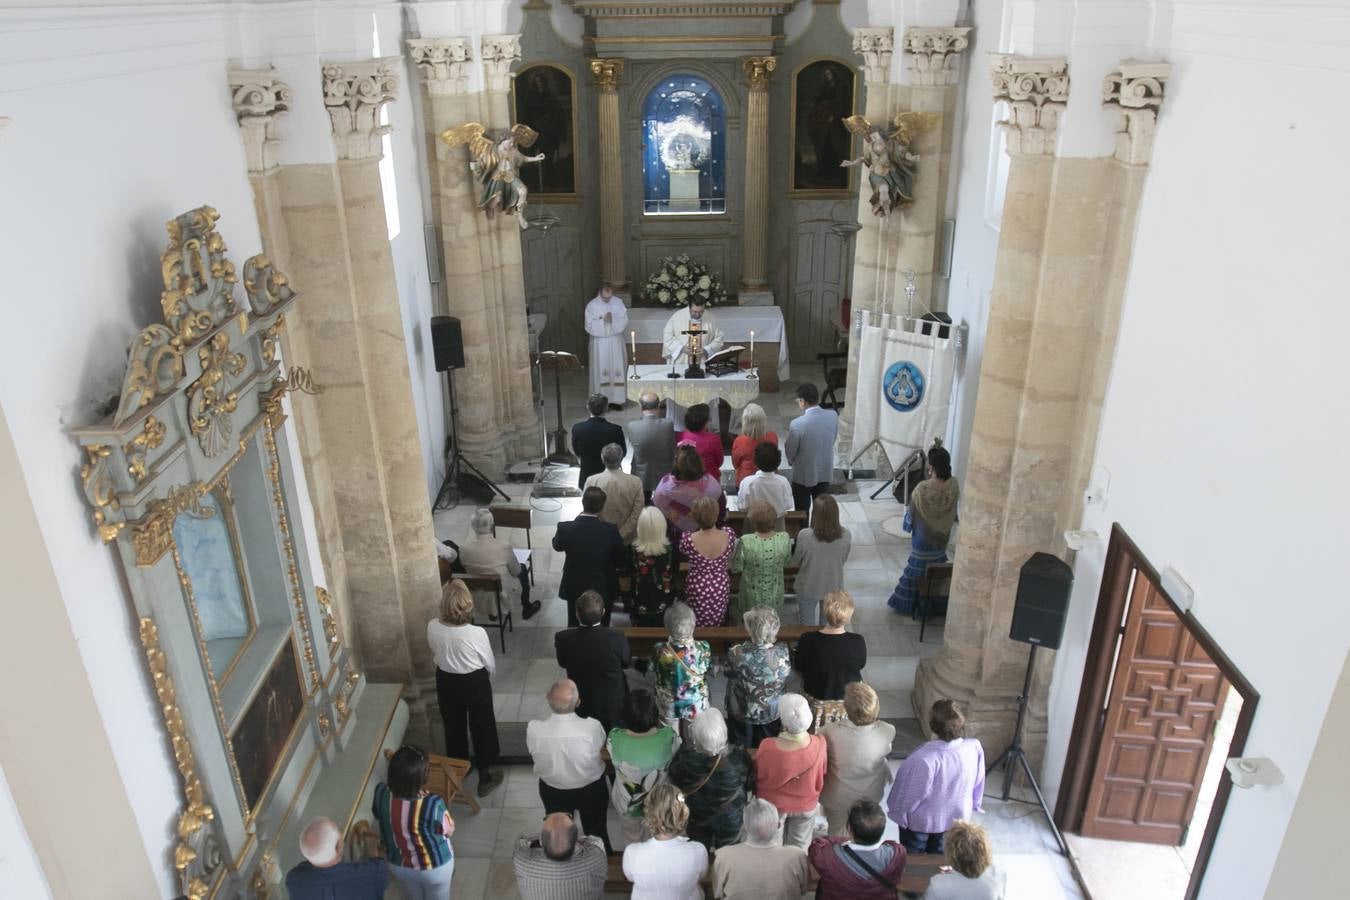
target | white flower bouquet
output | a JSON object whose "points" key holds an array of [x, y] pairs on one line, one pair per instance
{"points": [[680, 280]]}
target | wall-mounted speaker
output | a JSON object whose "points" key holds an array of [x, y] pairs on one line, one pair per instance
{"points": [[1042, 606], [447, 342]]}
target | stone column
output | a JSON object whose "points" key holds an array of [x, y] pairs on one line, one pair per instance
{"points": [[754, 288], [607, 73]]}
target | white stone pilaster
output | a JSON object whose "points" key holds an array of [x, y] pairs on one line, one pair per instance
{"points": [[259, 99], [933, 54], [354, 92], [499, 52], [1135, 90], [443, 63], [1036, 90], [876, 46]]}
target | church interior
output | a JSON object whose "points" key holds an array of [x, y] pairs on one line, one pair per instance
{"points": [[331, 296]]}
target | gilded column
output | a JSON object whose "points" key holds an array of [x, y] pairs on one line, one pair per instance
{"points": [[754, 288], [607, 73]]}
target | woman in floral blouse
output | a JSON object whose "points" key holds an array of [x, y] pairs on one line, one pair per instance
{"points": [[681, 665], [756, 671], [760, 557], [653, 570]]}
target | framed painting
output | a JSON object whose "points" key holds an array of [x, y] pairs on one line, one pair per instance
{"points": [[544, 98], [823, 93], [267, 726]]}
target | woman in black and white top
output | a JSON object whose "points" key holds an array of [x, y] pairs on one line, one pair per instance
{"points": [[464, 667]]}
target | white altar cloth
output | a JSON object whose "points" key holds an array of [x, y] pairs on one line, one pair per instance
{"points": [[737, 389], [736, 322]]}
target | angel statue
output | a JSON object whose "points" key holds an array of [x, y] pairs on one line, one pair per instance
{"points": [[891, 165], [497, 166]]}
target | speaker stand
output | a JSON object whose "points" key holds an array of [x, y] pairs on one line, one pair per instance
{"points": [[450, 493], [1015, 754]]}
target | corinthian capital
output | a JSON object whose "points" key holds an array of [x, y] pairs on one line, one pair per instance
{"points": [[757, 71], [607, 73], [933, 53], [443, 63], [1135, 90], [499, 52], [875, 45], [259, 98], [1036, 91], [354, 93]]}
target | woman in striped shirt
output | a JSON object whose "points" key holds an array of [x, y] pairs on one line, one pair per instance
{"points": [[415, 827]]}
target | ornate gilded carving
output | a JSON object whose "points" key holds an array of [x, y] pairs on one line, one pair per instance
{"points": [[292, 567], [198, 278], [499, 52], [270, 336], [344, 698], [259, 99], [325, 725], [353, 93], [265, 287], [607, 73], [151, 436], [875, 46], [444, 63], [152, 534], [1036, 91], [330, 625], [99, 491], [757, 71], [1135, 90], [154, 365], [211, 403], [933, 53], [195, 856]]}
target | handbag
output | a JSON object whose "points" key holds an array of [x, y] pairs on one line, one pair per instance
{"points": [[881, 879]]}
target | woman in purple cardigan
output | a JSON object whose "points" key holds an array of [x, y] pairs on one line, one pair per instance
{"points": [[938, 783]]}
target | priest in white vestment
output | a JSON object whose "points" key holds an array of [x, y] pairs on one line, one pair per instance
{"points": [[674, 342], [606, 323]]}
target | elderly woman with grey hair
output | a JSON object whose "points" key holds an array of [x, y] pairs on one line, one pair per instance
{"points": [[756, 671], [681, 665], [790, 770], [487, 554], [760, 868], [715, 777]]}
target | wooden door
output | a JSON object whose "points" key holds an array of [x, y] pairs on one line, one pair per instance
{"points": [[818, 267], [1166, 696]]}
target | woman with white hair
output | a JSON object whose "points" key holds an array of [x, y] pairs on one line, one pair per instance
{"points": [[715, 778], [790, 770], [759, 868], [668, 866], [653, 570], [857, 750], [754, 431], [681, 665], [486, 554], [756, 671]]}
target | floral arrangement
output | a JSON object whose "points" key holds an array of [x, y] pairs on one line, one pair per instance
{"points": [[678, 280]]}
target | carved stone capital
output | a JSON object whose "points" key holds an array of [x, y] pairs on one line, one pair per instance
{"points": [[443, 63], [259, 99], [933, 53], [757, 71], [1036, 90], [499, 52], [875, 45], [354, 93], [607, 73], [1135, 90]]}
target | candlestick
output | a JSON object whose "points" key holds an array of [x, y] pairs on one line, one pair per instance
{"points": [[635, 376], [752, 356]]}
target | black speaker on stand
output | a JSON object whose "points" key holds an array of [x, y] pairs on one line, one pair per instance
{"points": [[462, 478], [1039, 614]]}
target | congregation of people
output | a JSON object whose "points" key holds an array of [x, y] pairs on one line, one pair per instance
{"points": [[774, 791]]}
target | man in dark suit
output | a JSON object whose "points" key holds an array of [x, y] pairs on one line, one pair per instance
{"points": [[595, 656], [653, 444], [591, 436], [594, 554]]}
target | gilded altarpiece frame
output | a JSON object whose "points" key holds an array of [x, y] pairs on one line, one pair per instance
{"points": [[200, 416]]}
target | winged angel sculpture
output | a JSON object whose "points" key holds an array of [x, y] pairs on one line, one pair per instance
{"points": [[891, 166], [496, 165]]}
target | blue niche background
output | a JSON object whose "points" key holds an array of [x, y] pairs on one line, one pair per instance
{"points": [[692, 98]]}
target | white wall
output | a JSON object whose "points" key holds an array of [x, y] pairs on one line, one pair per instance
{"points": [[1224, 426], [20, 870]]}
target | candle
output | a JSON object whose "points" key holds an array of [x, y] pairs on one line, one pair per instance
{"points": [[752, 351], [633, 335]]}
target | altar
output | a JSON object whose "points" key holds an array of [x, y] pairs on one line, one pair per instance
{"points": [[736, 389], [771, 354]]}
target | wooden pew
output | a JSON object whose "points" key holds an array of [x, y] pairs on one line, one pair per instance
{"points": [[919, 870], [642, 640]]}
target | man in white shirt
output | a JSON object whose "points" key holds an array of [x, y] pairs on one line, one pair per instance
{"points": [[767, 484], [566, 752]]}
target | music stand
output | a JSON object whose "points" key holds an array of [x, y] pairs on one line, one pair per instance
{"points": [[559, 361]]}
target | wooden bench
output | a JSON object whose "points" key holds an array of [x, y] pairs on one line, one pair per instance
{"points": [[919, 870], [642, 640]]}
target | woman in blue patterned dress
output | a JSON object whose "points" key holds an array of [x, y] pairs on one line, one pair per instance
{"points": [[681, 664], [756, 671], [929, 518]]}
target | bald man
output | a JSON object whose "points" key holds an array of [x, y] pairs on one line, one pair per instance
{"points": [[324, 876], [566, 752], [559, 864]]}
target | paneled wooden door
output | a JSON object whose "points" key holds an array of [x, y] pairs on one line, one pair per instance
{"points": [[819, 270], [1166, 696]]}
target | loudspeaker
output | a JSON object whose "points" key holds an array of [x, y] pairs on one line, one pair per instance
{"points": [[1042, 606], [475, 488], [447, 342]]}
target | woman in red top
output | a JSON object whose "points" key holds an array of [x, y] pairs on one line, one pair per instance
{"points": [[708, 443], [790, 770], [754, 431]]}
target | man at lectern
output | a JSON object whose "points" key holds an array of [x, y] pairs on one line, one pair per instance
{"points": [[675, 342]]}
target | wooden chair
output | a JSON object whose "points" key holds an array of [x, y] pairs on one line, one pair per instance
{"points": [[935, 585], [445, 776], [834, 368], [513, 516], [736, 521], [794, 521], [491, 584]]}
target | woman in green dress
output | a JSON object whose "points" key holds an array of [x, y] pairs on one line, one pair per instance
{"points": [[640, 753], [760, 557]]}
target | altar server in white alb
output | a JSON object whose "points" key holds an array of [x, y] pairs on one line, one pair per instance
{"points": [[607, 324], [676, 342]]}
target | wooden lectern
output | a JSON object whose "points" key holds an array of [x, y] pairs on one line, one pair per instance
{"points": [[559, 361]]}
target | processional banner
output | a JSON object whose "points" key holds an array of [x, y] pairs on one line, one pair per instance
{"points": [[904, 384]]}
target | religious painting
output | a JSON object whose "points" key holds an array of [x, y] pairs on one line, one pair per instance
{"points": [[684, 127], [822, 98], [545, 100], [264, 732]]}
